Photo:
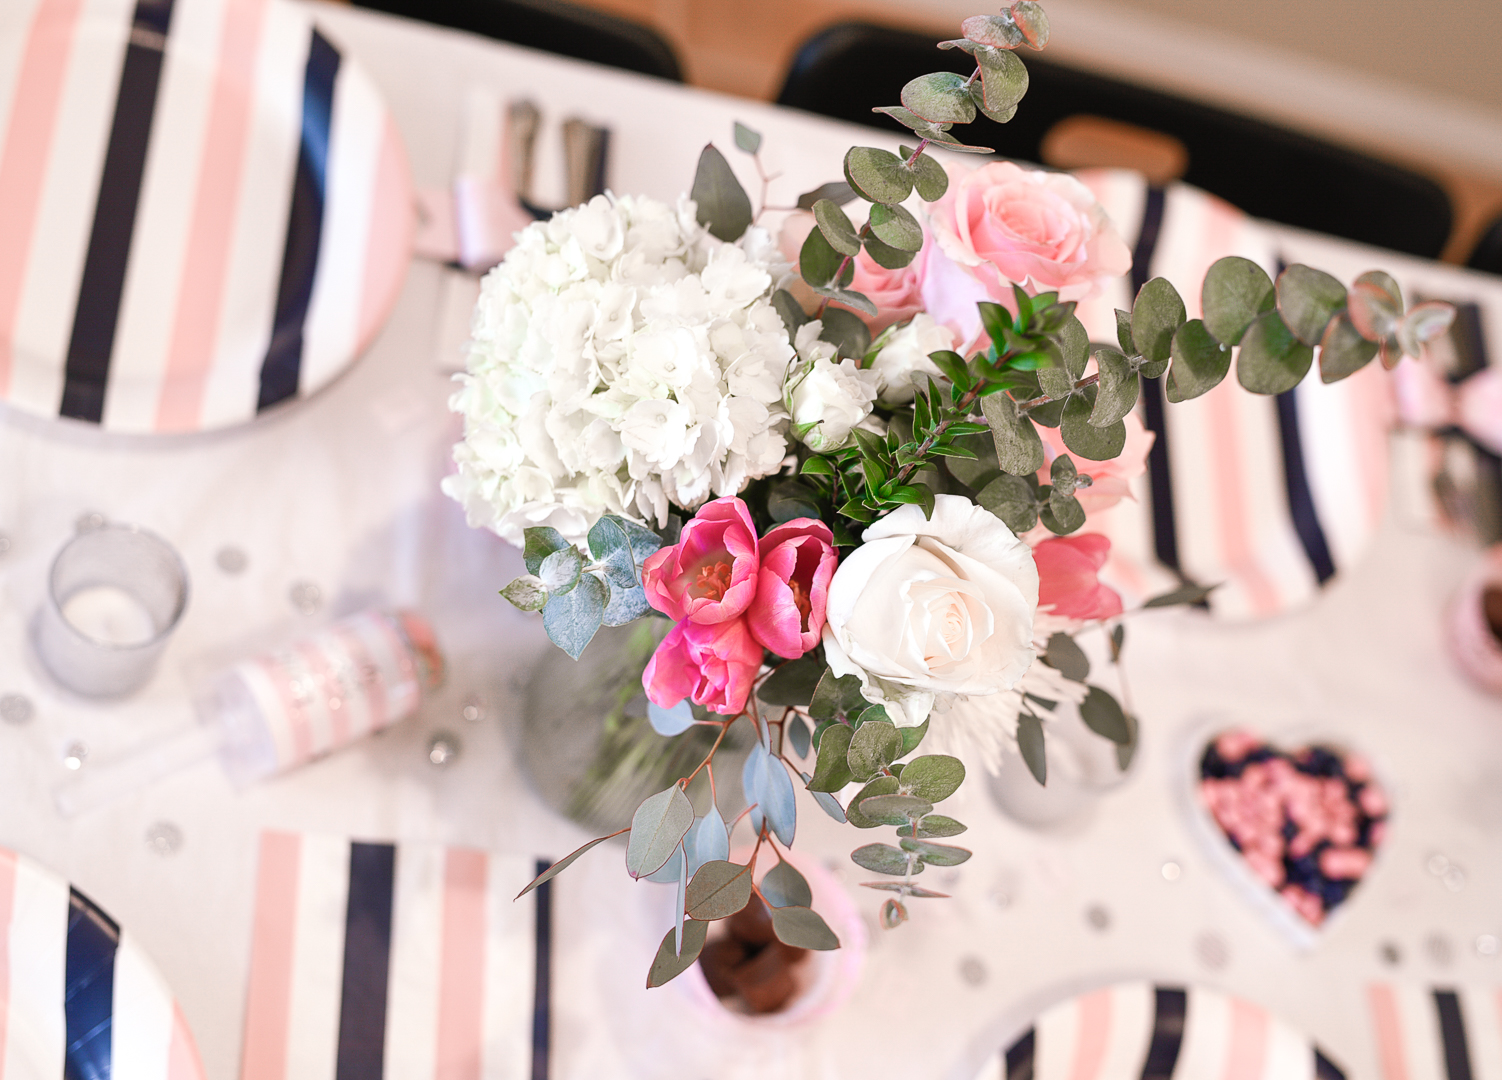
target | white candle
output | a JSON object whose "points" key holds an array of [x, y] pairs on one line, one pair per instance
{"points": [[109, 615]]}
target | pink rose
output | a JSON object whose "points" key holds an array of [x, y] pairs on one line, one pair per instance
{"points": [[1002, 224], [894, 292], [1067, 569], [709, 576], [792, 589], [1111, 481], [713, 664]]}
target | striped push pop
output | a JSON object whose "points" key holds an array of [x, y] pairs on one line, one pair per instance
{"points": [[410, 962], [78, 997], [1270, 496], [1138, 1031], [204, 210], [1438, 1033]]}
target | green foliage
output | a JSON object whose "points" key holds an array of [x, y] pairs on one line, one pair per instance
{"points": [[1019, 450], [538, 543], [872, 748], [718, 890], [936, 854], [929, 178], [877, 175], [836, 228], [933, 777], [560, 866], [885, 859], [940, 98], [837, 192], [882, 785], [895, 227], [1011, 498], [1185, 594], [1030, 743], [1104, 716], [527, 593], [1083, 436], [1004, 82], [799, 738], [803, 928], [793, 683], [1117, 390], [1157, 315], [1307, 300], [572, 618], [1343, 351], [746, 139], [831, 770], [669, 962], [846, 332], [1199, 362], [783, 886], [834, 697], [724, 208], [818, 261], [657, 828], [1271, 360], [1066, 657], [896, 809], [933, 825], [1235, 292]]}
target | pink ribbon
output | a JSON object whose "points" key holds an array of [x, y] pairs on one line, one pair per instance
{"points": [[1474, 405]]}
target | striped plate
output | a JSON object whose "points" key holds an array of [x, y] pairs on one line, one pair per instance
{"points": [[1138, 1031], [78, 997], [204, 210]]}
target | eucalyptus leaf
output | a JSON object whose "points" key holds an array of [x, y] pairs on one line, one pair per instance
{"points": [[560, 571], [886, 256], [793, 315], [872, 748], [746, 139], [707, 841], [1271, 359], [718, 890], [724, 208], [1066, 657], [1055, 382], [1307, 299], [884, 859], [1236, 291], [836, 228], [895, 227], [911, 736], [1343, 351], [755, 778], [996, 31], [780, 808], [1375, 305], [1127, 750], [1062, 514], [1156, 315], [906, 888], [818, 262], [783, 886], [539, 542], [625, 606], [1084, 438], [793, 683], [1200, 362], [1103, 715], [670, 962], [1032, 21], [936, 854], [856, 300], [674, 721], [929, 177], [1004, 82], [834, 696], [1049, 413], [894, 809], [1019, 450], [1185, 594], [831, 769], [657, 829], [877, 174], [827, 802], [1011, 499], [561, 865], [788, 499], [1030, 743], [1074, 345], [933, 777], [934, 825], [940, 98], [572, 619], [848, 333], [882, 785], [1117, 390], [803, 928], [527, 593], [669, 872], [798, 736], [1124, 332], [837, 192], [621, 546]]}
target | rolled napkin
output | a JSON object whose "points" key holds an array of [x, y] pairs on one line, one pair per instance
{"points": [[372, 960], [1437, 1033]]}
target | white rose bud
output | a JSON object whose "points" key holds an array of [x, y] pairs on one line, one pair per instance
{"points": [[903, 361], [834, 398]]}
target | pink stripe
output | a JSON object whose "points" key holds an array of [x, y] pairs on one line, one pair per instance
{"points": [[389, 239], [7, 912], [1094, 1034], [279, 673], [200, 298], [371, 687], [332, 690], [182, 1059], [1371, 400], [1246, 1056], [23, 162], [461, 991], [1229, 497], [269, 1007], [1389, 1033]]}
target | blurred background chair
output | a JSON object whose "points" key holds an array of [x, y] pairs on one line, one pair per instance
{"points": [[1487, 254], [552, 26], [1072, 118]]}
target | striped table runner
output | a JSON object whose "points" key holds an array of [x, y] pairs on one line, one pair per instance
{"points": [[1438, 1033], [1269, 496], [78, 997], [204, 210], [1138, 1031], [410, 962]]}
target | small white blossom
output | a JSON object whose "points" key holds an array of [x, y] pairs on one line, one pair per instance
{"points": [[902, 360], [827, 399]]}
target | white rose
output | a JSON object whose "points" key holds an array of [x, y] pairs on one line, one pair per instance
{"points": [[834, 398], [903, 360], [932, 607]]}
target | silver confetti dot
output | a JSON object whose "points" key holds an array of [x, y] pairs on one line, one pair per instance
{"points": [[1439, 949], [1098, 917], [90, 521], [164, 838], [973, 971], [1390, 953], [1172, 871], [1437, 864], [1002, 898], [5, 543], [75, 755], [473, 709], [443, 748], [306, 597], [1454, 879], [231, 560], [1487, 946], [1212, 950], [15, 708]]}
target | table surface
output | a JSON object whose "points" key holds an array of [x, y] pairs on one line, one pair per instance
{"points": [[342, 491]]}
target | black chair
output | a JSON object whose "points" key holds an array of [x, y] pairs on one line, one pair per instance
{"points": [[550, 25], [1487, 254], [1270, 173]]}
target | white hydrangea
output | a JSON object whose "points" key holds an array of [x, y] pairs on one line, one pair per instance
{"points": [[620, 359]]}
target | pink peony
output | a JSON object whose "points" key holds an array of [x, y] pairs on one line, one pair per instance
{"points": [[792, 591], [709, 576], [713, 664], [1001, 224], [1067, 581], [894, 292], [1111, 481]]}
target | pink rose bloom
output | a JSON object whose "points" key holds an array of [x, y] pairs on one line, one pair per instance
{"points": [[1002, 224], [1067, 577], [894, 292], [1111, 481], [713, 664], [709, 576], [792, 589]]}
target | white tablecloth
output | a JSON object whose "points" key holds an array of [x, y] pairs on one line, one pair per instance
{"points": [[341, 491]]}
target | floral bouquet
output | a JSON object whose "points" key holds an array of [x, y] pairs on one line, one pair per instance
{"points": [[856, 487]]}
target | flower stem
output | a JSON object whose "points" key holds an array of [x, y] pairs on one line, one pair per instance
{"points": [[923, 143]]}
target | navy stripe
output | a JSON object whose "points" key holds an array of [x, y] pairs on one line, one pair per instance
{"points": [[89, 990], [1296, 484], [97, 313], [367, 962], [542, 982], [282, 367], [1147, 238], [1325, 1069], [1452, 1035], [1170, 1007], [1020, 1056]]}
